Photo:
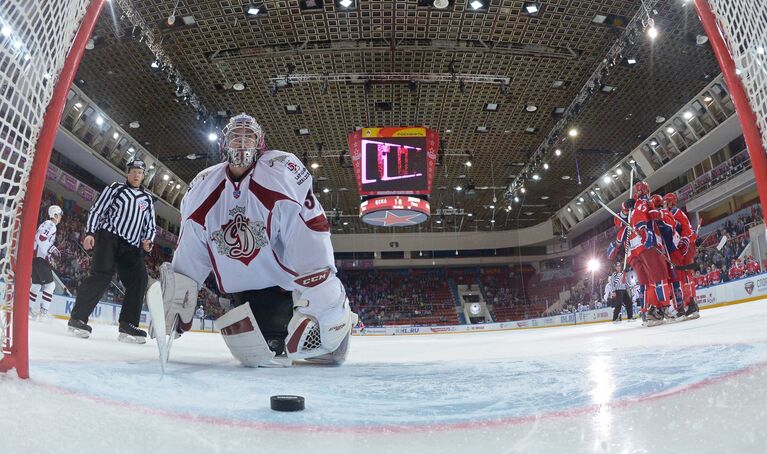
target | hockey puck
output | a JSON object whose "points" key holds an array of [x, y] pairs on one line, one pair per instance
{"points": [[287, 403]]}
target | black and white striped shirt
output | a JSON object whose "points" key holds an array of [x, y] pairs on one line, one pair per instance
{"points": [[125, 211], [616, 281]]}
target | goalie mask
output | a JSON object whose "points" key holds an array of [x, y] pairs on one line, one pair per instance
{"points": [[242, 139]]}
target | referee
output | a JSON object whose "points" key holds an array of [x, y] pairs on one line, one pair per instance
{"points": [[120, 228], [617, 291]]}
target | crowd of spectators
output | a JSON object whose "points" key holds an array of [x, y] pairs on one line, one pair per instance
{"points": [[391, 297]]}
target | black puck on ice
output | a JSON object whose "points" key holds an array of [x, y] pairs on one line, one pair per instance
{"points": [[287, 403]]}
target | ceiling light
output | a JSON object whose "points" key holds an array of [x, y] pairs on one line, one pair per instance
{"points": [[670, 130], [632, 161], [212, 136], [545, 166], [565, 177], [572, 132], [481, 129], [516, 199], [580, 199], [522, 190], [253, 10], [115, 136], [492, 207], [532, 8], [606, 179], [654, 143], [687, 115], [476, 4], [468, 163], [531, 108], [558, 84], [544, 197], [448, 131], [558, 111], [134, 124], [346, 223], [531, 130], [631, 61], [459, 188], [325, 190], [597, 188], [701, 40], [491, 106], [166, 177], [608, 88], [599, 19], [708, 99], [470, 215], [78, 105], [345, 3], [178, 186], [99, 120], [302, 132], [569, 210], [558, 152], [760, 50], [155, 64], [151, 166], [619, 171], [652, 32], [492, 221], [293, 109], [536, 177], [439, 221], [6, 31], [131, 150], [238, 86], [314, 165]]}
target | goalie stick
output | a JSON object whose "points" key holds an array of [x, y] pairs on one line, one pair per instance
{"points": [[157, 325]]}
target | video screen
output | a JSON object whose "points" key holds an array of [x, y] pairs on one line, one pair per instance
{"points": [[394, 164]]}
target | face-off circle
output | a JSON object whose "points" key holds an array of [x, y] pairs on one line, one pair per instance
{"points": [[394, 211]]}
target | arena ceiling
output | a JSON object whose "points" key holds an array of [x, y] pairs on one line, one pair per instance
{"points": [[547, 59]]}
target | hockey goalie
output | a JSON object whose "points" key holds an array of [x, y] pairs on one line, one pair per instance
{"points": [[253, 221]]}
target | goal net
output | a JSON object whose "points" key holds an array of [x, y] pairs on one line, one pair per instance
{"points": [[35, 42], [743, 24]]}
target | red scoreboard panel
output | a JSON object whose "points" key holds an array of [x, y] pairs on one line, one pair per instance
{"points": [[394, 161]]}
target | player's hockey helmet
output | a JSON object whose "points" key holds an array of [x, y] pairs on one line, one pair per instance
{"points": [[55, 210], [657, 201], [670, 199], [241, 140], [641, 189]]}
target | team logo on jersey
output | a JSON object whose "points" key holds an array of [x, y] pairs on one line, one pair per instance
{"points": [[240, 239], [274, 160], [236, 194], [749, 287], [143, 205]]}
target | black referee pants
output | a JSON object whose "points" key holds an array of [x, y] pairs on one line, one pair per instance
{"points": [[110, 252], [622, 298]]}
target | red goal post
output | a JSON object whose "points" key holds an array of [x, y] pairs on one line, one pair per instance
{"points": [[41, 45], [737, 31]]}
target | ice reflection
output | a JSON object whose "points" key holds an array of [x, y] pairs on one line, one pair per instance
{"points": [[602, 381]]}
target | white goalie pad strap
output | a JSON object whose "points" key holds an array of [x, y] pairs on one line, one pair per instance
{"points": [[179, 296], [322, 320], [243, 337]]}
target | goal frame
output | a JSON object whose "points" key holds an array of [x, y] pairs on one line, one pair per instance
{"points": [[18, 358]]}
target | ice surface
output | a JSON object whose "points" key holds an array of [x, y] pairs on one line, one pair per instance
{"points": [[697, 386]]}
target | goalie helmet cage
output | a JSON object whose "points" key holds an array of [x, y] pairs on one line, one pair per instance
{"points": [[41, 45]]}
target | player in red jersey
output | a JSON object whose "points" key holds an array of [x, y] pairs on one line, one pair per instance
{"points": [[687, 250]]}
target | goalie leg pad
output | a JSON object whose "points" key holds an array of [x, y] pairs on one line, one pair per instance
{"points": [[243, 337], [179, 297], [273, 308]]}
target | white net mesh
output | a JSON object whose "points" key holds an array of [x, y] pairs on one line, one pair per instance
{"points": [[744, 26], [35, 37]]}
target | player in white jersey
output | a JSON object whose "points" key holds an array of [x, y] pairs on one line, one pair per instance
{"points": [[42, 275], [255, 223]]}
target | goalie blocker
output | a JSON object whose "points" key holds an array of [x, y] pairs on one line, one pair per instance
{"points": [[313, 323]]}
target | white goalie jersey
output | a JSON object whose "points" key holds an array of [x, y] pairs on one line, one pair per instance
{"points": [[265, 230]]}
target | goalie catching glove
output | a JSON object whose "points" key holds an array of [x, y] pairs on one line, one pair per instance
{"points": [[322, 320], [179, 297]]}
